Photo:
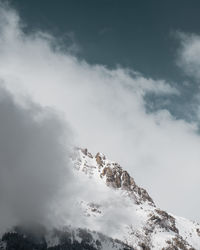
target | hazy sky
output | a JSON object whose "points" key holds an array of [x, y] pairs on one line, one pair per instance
{"points": [[124, 75]]}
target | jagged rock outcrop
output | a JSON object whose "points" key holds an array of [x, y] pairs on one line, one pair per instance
{"points": [[164, 220], [117, 177], [131, 219], [157, 228]]}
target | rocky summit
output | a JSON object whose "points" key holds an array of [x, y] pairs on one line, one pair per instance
{"points": [[121, 216], [148, 226]]}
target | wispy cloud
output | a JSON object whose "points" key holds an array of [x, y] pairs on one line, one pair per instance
{"points": [[188, 54]]}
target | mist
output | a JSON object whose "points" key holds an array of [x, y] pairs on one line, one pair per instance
{"points": [[34, 162], [106, 109]]}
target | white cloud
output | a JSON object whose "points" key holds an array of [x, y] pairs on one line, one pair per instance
{"points": [[33, 162], [188, 54], [106, 109]]}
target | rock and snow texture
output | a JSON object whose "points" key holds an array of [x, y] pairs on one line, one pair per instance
{"points": [[114, 214], [128, 213]]}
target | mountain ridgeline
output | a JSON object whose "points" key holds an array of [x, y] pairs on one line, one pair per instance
{"points": [[136, 222]]}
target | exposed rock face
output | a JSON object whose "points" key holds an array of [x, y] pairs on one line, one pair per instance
{"points": [[158, 229], [142, 225], [198, 231], [164, 220], [116, 177], [178, 243]]}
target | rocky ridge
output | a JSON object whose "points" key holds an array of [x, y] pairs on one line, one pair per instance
{"points": [[157, 228], [124, 218]]}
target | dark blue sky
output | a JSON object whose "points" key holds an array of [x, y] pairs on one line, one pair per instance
{"points": [[138, 34]]}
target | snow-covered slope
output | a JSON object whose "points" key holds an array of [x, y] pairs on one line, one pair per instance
{"points": [[130, 212], [113, 213]]}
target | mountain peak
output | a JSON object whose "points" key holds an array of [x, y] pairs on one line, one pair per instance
{"points": [[157, 229], [126, 218], [113, 175]]}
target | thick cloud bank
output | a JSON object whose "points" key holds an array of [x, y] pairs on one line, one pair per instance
{"points": [[33, 162], [107, 111]]}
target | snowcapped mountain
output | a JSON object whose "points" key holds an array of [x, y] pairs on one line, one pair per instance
{"points": [[142, 224], [122, 216]]}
